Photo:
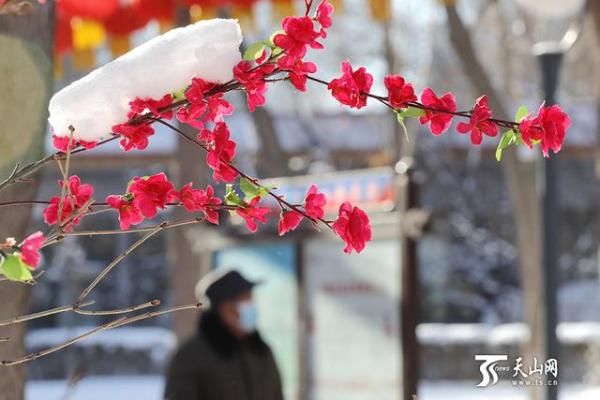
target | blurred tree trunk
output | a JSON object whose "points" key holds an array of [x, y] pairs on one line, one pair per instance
{"points": [[26, 47], [274, 162], [520, 178]]}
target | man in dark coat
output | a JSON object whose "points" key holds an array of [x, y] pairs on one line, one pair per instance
{"points": [[226, 359]]}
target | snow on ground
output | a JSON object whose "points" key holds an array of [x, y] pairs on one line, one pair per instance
{"points": [[443, 334], [151, 387], [93, 104], [131, 338]]}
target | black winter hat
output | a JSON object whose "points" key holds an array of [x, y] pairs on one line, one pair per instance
{"points": [[228, 286]]}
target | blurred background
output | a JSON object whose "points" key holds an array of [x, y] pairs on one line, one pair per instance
{"points": [[470, 256]]}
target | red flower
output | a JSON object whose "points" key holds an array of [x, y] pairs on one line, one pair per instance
{"points": [[314, 203], [75, 198], [190, 115], [140, 106], [30, 249], [221, 152], [323, 17], [289, 221], [201, 200], [399, 92], [299, 33], [196, 93], [353, 227], [252, 214], [218, 107], [61, 143], [152, 193], [479, 123], [298, 70], [129, 214], [549, 128], [439, 120], [352, 87], [133, 136], [253, 81]]}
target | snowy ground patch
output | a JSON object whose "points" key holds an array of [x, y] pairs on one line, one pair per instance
{"points": [[151, 387]]}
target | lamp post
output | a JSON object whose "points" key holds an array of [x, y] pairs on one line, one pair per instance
{"points": [[555, 30]]}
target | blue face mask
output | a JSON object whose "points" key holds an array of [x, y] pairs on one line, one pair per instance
{"points": [[248, 316]]}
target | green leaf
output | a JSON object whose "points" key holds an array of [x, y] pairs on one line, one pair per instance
{"points": [[508, 138], [251, 190], [412, 112], [231, 197], [14, 269], [522, 112], [179, 94], [254, 51]]}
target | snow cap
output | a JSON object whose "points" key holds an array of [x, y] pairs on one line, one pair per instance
{"points": [[208, 49]]}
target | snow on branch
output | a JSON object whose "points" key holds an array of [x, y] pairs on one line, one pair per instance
{"points": [[165, 64]]}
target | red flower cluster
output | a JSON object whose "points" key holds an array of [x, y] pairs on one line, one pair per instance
{"points": [[547, 128], [299, 34], [204, 106], [149, 194], [152, 193], [298, 71], [221, 150], [252, 213], [61, 143], [439, 121], [77, 195], [133, 136], [30, 249], [353, 226], [399, 92], [324, 12], [252, 78], [314, 202], [201, 200], [129, 214], [353, 87], [159, 108], [479, 123]]}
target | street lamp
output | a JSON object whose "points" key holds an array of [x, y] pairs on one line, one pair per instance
{"points": [[555, 28]]}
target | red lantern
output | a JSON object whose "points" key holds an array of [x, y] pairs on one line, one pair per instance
{"points": [[204, 3], [63, 35], [124, 21], [162, 10], [92, 9]]}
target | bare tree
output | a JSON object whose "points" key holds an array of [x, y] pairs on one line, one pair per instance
{"points": [[520, 178]]}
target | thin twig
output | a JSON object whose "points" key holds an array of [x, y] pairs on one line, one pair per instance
{"points": [[151, 303], [136, 230], [54, 349], [153, 314], [41, 314], [116, 261], [109, 325]]}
